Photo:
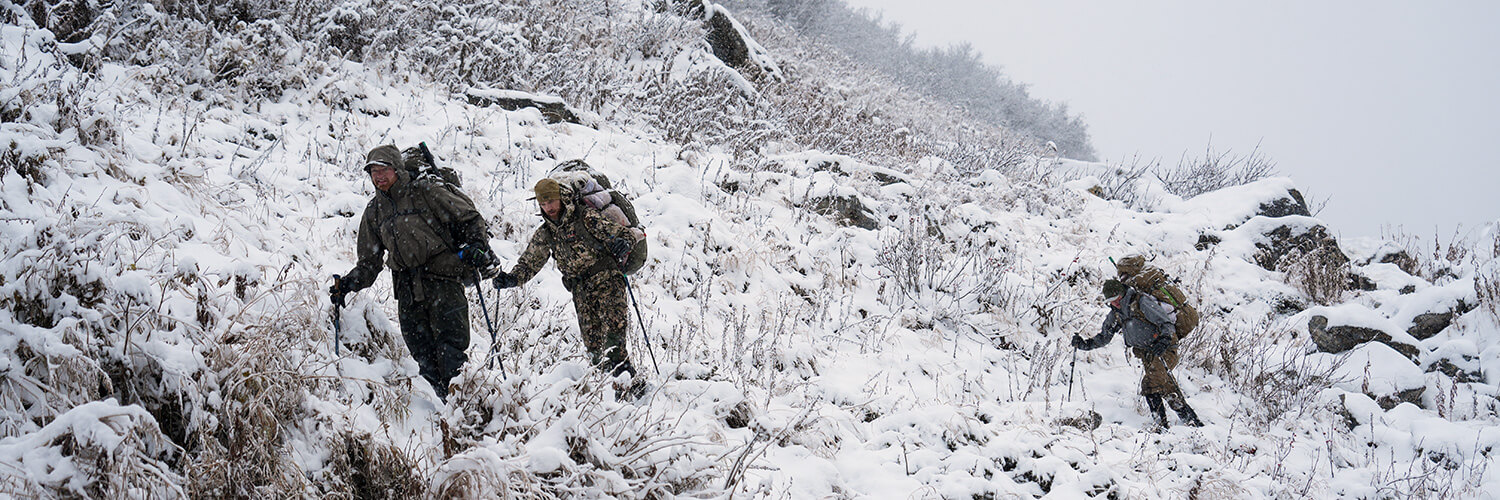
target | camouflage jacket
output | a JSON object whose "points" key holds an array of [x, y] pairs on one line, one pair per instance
{"points": [[577, 241], [417, 225]]}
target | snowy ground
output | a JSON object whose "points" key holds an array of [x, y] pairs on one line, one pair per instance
{"points": [[800, 357]]}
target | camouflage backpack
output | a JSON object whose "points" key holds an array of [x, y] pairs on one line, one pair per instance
{"points": [[592, 189], [1147, 278]]}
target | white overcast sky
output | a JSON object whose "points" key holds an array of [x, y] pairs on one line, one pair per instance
{"points": [[1389, 109]]}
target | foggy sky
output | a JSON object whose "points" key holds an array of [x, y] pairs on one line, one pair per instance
{"points": [[1387, 109]]}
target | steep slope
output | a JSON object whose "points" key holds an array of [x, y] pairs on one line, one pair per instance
{"points": [[824, 326]]}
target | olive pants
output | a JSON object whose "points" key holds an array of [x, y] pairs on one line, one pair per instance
{"points": [[1158, 379], [434, 314]]}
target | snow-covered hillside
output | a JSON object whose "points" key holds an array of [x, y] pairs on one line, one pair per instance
{"points": [[826, 325]]}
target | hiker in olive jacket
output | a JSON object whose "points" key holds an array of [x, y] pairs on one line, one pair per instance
{"points": [[1149, 328], [432, 238], [589, 249]]}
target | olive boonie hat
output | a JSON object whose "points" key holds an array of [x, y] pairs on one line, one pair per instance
{"points": [[386, 155], [547, 190]]}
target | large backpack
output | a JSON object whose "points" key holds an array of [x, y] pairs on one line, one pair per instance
{"points": [[592, 189], [1146, 278], [420, 163], [422, 167], [1147, 321]]}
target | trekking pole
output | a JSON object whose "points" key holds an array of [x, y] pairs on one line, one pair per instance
{"points": [[642, 321], [479, 288], [1071, 365], [338, 323]]}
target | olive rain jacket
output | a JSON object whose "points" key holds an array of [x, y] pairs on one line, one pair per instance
{"points": [[417, 226]]}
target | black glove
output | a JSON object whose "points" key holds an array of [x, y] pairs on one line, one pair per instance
{"points": [[619, 248], [505, 280], [476, 255], [1078, 342], [340, 288]]}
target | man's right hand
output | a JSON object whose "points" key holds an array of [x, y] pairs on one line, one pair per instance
{"points": [[1079, 343], [340, 288], [505, 280]]}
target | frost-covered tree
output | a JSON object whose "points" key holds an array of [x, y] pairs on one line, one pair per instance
{"points": [[956, 75]]}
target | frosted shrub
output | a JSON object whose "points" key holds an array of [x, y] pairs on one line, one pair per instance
{"points": [[1127, 183], [1261, 361], [946, 278], [1487, 282], [1214, 171], [261, 58], [1322, 274]]}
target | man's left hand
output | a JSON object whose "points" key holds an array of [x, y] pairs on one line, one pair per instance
{"points": [[620, 249]]}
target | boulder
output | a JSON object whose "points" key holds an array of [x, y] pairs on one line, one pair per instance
{"points": [[553, 109], [1291, 204], [846, 210], [1340, 338], [1413, 396], [728, 43], [1306, 240], [1086, 421], [1205, 241], [1453, 371], [1424, 326]]}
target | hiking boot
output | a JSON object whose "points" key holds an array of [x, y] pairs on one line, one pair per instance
{"points": [[1184, 412], [631, 389], [1188, 416], [1158, 410]]}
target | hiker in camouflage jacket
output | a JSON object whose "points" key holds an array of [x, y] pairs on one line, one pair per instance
{"points": [[589, 249], [1157, 383], [419, 228]]}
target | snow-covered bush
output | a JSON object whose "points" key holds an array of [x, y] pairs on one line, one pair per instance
{"points": [[1215, 171], [1320, 273]]}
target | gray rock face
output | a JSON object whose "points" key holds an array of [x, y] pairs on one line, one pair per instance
{"points": [[1292, 204], [1282, 241], [727, 43], [1340, 338], [846, 210], [553, 110], [1460, 375], [1413, 396], [1424, 326]]}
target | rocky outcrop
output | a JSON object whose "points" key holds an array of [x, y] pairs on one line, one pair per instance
{"points": [[728, 39], [1307, 241], [845, 210], [553, 109], [1340, 338], [1458, 374], [1292, 204], [1424, 326], [1413, 396]]}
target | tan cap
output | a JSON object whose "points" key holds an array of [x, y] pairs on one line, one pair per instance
{"points": [[547, 190]]}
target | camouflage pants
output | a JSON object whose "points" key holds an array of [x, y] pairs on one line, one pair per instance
{"points": [[1158, 379], [434, 315], [603, 319]]}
